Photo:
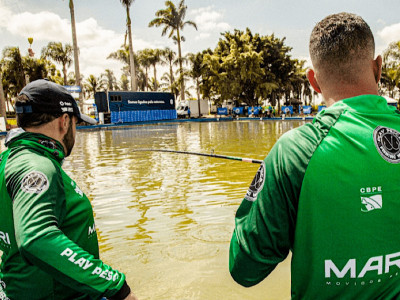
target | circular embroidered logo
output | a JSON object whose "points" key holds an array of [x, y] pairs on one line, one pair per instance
{"points": [[256, 185], [34, 182], [387, 141]]}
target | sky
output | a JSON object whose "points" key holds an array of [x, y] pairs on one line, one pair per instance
{"points": [[101, 24]]}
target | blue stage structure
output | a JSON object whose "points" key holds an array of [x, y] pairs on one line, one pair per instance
{"points": [[129, 107]]}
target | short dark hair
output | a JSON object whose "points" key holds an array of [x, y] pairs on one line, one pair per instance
{"points": [[340, 39], [26, 120]]}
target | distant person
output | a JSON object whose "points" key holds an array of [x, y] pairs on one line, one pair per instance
{"points": [[328, 191], [47, 231], [189, 113]]}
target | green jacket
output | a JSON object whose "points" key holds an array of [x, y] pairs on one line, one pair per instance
{"points": [[47, 231], [330, 193]]}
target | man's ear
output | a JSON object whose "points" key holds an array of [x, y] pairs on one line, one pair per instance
{"points": [[63, 123], [378, 68], [313, 81]]}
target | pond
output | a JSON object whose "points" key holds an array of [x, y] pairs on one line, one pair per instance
{"points": [[166, 219]]}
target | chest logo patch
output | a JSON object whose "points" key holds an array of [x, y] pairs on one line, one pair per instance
{"points": [[371, 198], [34, 182], [371, 203], [387, 142], [257, 184]]}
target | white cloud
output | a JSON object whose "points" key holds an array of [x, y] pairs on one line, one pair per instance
{"points": [[5, 15], [45, 26], [390, 33], [208, 22], [95, 42], [203, 36]]}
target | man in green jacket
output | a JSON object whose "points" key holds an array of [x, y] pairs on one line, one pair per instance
{"points": [[47, 231], [329, 191]]}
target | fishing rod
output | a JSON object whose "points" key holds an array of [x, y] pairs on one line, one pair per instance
{"points": [[250, 160]]}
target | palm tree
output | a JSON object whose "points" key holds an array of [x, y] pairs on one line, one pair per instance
{"points": [[76, 50], [154, 59], [144, 59], [13, 71], [169, 58], [94, 84], [141, 80], [153, 84], [124, 82], [127, 4], [59, 54], [122, 55], [169, 84], [110, 80], [172, 18], [195, 71]]}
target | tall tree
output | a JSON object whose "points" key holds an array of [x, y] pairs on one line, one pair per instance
{"points": [[246, 67], [13, 71], [94, 84], [110, 80], [76, 50], [124, 82], [144, 60], [154, 59], [173, 20], [59, 54], [127, 4], [15, 67], [169, 84], [195, 71], [123, 55], [169, 58]]}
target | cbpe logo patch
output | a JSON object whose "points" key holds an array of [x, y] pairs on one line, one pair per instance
{"points": [[371, 198], [387, 142], [371, 203]]}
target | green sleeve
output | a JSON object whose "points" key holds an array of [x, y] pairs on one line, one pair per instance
{"points": [[38, 210], [265, 221]]}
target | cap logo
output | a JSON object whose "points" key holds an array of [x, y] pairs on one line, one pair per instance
{"points": [[387, 142], [62, 103]]}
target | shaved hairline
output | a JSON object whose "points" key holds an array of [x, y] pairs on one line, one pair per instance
{"points": [[341, 43]]}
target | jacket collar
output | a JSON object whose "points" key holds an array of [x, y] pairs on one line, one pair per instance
{"points": [[19, 137], [366, 104]]}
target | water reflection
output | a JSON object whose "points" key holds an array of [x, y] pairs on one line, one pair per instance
{"points": [[166, 219]]}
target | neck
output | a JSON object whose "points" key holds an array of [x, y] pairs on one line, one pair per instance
{"points": [[344, 92], [50, 130], [336, 86]]}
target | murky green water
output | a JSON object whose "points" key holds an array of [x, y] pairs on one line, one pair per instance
{"points": [[165, 219]]}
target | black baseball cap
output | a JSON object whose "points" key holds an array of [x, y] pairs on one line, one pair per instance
{"points": [[50, 98]]}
